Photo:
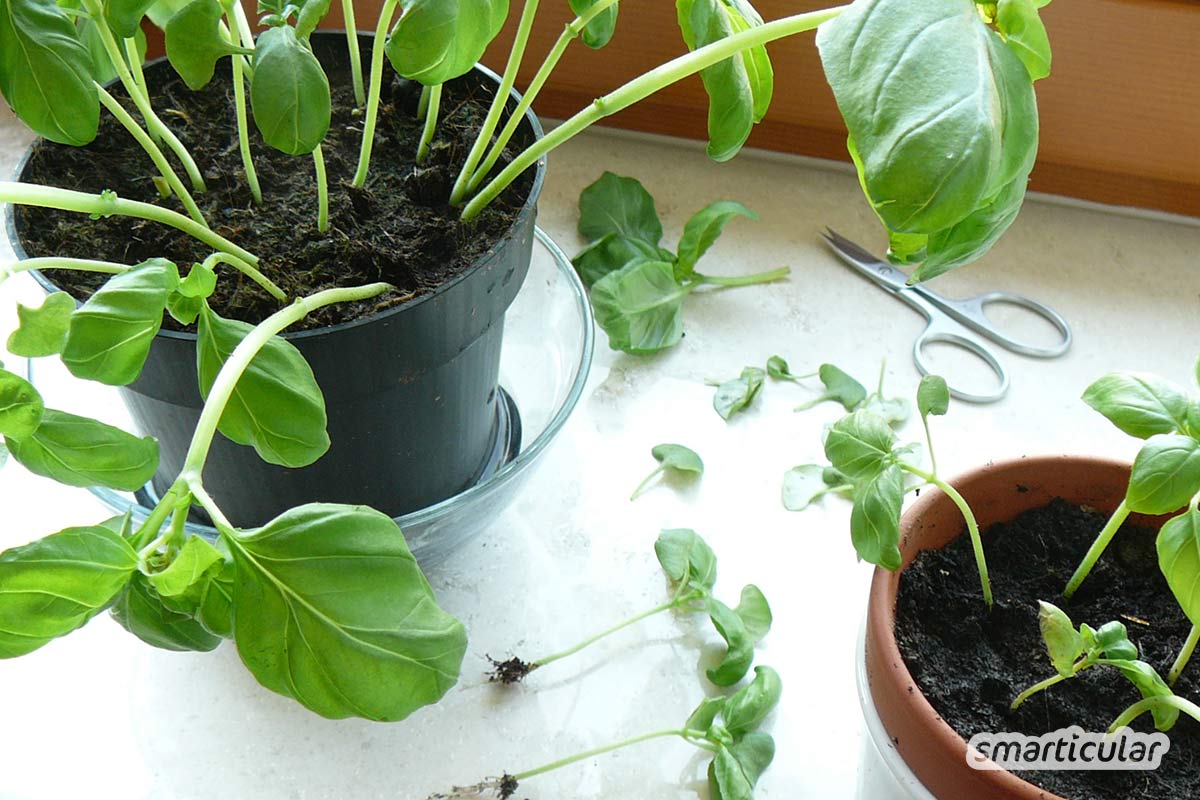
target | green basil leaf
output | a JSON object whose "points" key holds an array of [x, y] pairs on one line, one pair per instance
{"points": [[1178, 547], [183, 581], [289, 93], [110, 335], [42, 331], [640, 307], [1150, 684], [21, 406], [46, 72], [1112, 640], [200, 282], [678, 457], [933, 396], [702, 229], [1166, 473], [1139, 404], [599, 31], [687, 559], [615, 204], [755, 612], [277, 406], [194, 44], [79, 451], [705, 714], [56, 584], [915, 85], [731, 107], [613, 252], [858, 445], [161, 11], [438, 40], [875, 519], [142, 612], [839, 387], [310, 16], [750, 705], [804, 485], [1024, 32], [332, 610], [1064, 644], [735, 395], [103, 70], [778, 369], [125, 16], [737, 767], [739, 644]]}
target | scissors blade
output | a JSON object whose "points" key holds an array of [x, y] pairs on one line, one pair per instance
{"points": [[879, 271]]}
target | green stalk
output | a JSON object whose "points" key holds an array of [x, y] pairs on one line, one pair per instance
{"points": [[641, 487], [154, 151], [135, 65], [431, 116], [423, 102], [1185, 655], [360, 95], [158, 515], [1079, 667], [515, 54], [569, 34], [608, 748], [84, 203], [673, 603], [381, 32], [243, 125], [742, 280], [1152, 704], [55, 262], [322, 190], [642, 87], [153, 123], [972, 525], [1097, 549], [249, 270], [231, 371]]}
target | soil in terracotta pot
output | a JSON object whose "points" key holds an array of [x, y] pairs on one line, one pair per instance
{"points": [[399, 228], [971, 664]]}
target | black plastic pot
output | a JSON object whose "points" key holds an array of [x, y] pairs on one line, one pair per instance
{"points": [[415, 411]]}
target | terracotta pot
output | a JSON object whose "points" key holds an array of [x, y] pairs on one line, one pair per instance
{"points": [[931, 749]]}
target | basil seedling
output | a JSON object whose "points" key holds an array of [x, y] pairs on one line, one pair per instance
{"points": [[691, 569], [673, 458], [736, 394]]}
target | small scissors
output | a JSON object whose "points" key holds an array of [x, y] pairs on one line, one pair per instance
{"points": [[948, 318]]}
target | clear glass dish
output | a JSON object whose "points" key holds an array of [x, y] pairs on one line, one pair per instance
{"points": [[547, 352]]}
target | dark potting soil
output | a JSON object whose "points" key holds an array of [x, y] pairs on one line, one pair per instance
{"points": [[399, 228], [971, 664]]}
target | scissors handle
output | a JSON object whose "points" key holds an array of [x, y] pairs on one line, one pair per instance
{"points": [[937, 334], [971, 312]]}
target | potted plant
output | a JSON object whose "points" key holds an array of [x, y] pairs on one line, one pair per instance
{"points": [[324, 600], [945, 662]]}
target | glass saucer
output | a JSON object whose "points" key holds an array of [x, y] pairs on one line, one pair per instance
{"points": [[544, 363]]}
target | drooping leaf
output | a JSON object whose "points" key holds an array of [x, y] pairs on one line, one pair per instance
{"points": [[56, 584], [687, 559], [738, 393], [640, 307], [737, 767], [749, 706], [933, 396], [142, 612], [611, 253], [599, 31], [79, 451], [289, 93], [46, 72], [277, 406], [332, 610], [110, 335], [21, 406], [1150, 684], [702, 229], [195, 44], [620, 205], [778, 369], [1140, 404], [858, 445], [1166, 473], [42, 330], [437, 40], [1064, 644], [705, 713], [754, 611], [739, 644], [1178, 547], [875, 519], [1025, 33], [125, 16]]}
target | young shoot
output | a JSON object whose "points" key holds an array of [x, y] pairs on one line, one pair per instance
{"points": [[839, 387], [691, 569], [1074, 651], [637, 286], [672, 458], [725, 726]]}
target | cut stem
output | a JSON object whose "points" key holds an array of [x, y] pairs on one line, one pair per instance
{"points": [[596, 751], [153, 150], [1185, 655], [743, 280], [360, 94], [322, 190], [642, 87], [972, 525], [1097, 549], [507, 80], [1079, 667], [673, 603], [1152, 704], [431, 116], [642, 486], [377, 49]]}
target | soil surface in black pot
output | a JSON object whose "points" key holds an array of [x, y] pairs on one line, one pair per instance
{"points": [[399, 228], [971, 664]]}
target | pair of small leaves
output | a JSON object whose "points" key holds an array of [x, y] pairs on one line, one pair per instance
{"points": [[736, 394], [743, 753], [673, 458]]}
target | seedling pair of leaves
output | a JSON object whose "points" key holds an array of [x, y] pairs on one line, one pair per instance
{"points": [[674, 459], [637, 286], [1073, 651]]}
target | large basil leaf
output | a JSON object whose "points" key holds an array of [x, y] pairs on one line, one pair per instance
{"points": [[942, 120], [611, 253], [875, 519], [332, 610], [110, 335], [79, 451], [614, 204], [859, 444], [141, 611], [46, 72], [289, 93], [1139, 404], [194, 43], [52, 586], [21, 406], [640, 307], [277, 406], [438, 40], [1179, 559], [738, 766], [1165, 475], [599, 31]]}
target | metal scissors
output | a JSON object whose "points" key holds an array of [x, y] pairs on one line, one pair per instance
{"points": [[952, 321]]}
